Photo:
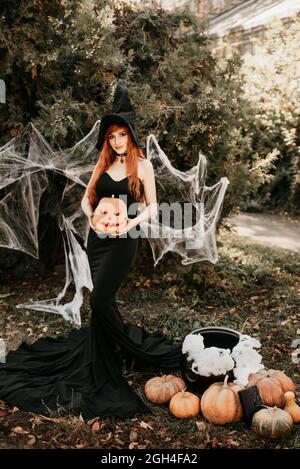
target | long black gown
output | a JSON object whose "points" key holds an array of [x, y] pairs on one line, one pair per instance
{"points": [[81, 372]]}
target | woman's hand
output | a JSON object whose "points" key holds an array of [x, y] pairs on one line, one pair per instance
{"points": [[130, 224]]}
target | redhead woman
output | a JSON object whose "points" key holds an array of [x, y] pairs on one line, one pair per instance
{"points": [[83, 372]]}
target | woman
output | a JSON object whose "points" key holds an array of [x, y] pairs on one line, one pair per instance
{"points": [[83, 371]]}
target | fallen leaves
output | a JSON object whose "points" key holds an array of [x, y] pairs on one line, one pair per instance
{"points": [[201, 426], [31, 441], [133, 436], [258, 298], [227, 443], [19, 431], [95, 424], [146, 425]]}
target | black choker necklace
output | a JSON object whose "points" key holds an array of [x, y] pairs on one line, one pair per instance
{"points": [[122, 156]]}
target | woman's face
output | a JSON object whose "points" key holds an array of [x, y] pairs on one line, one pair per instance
{"points": [[118, 140]]}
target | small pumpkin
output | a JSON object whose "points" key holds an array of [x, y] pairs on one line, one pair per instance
{"points": [[272, 422], [184, 404], [271, 385], [160, 389], [291, 406], [221, 404]]}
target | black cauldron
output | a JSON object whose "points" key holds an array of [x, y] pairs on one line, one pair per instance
{"points": [[221, 337]]}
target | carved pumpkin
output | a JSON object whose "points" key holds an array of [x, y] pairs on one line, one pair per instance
{"points": [[220, 403], [272, 423], [161, 388], [110, 215], [291, 406], [184, 405], [271, 385]]}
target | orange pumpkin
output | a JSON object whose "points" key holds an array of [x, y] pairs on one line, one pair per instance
{"points": [[220, 403], [184, 405], [291, 406], [271, 385], [286, 382], [160, 389], [110, 215]]}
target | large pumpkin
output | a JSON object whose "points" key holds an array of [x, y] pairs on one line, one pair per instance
{"points": [[272, 423], [220, 403], [271, 385], [160, 389], [184, 405], [285, 382], [110, 215]]}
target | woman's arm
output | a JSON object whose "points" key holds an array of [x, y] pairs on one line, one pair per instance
{"points": [[150, 195], [86, 206], [85, 203]]}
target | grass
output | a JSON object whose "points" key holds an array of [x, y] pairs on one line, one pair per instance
{"points": [[253, 289]]}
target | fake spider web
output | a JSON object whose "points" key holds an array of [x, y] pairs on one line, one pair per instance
{"points": [[25, 164]]}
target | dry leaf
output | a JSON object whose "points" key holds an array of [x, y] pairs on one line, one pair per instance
{"points": [[96, 426], [35, 421], [108, 436], [258, 298], [90, 422], [133, 436], [31, 440], [133, 445], [232, 443], [19, 430], [145, 425], [201, 426]]}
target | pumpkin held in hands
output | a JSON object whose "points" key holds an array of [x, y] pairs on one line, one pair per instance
{"points": [[221, 404], [161, 388], [110, 215]]}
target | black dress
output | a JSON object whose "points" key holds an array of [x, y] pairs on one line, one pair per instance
{"points": [[82, 371]]}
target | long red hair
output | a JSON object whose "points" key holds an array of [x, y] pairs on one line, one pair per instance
{"points": [[107, 157]]}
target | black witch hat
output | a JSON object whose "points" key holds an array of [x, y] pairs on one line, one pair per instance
{"points": [[123, 113]]}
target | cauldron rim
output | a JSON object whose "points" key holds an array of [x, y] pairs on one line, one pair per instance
{"points": [[217, 329], [199, 383]]}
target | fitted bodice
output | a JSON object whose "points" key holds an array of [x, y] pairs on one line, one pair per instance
{"points": [[108, 187]]}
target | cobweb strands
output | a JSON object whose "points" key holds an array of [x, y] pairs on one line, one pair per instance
{"points": [[25, 163], [196, 209]]}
